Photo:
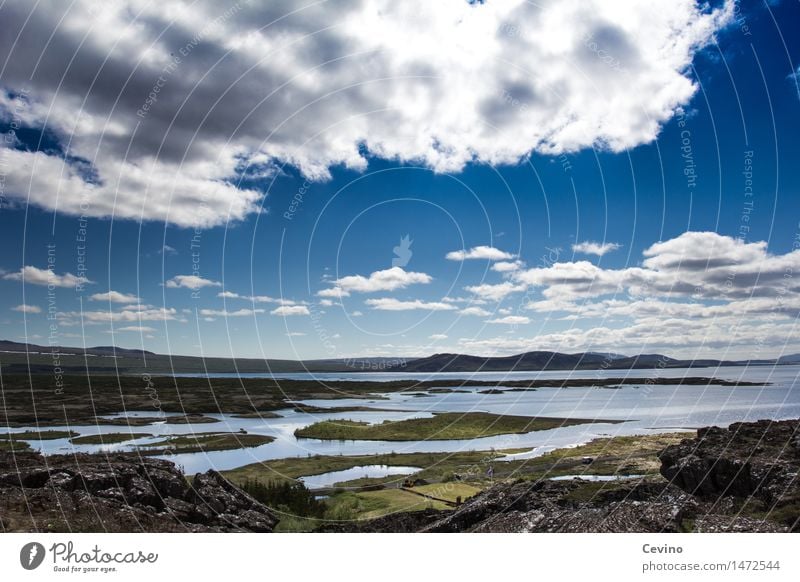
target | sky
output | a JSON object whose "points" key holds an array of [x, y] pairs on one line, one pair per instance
{"points": [[380, 178]]}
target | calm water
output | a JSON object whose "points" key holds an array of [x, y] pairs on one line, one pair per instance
{"points": [[644, 408]]}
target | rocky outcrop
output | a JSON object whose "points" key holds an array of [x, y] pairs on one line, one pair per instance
{"points": [[123, 493], [757, 459]]}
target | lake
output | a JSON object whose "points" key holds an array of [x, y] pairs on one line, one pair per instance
{"points": [[645, 408]]}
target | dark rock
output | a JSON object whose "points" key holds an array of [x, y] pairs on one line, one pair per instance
{"points": [[118, 492]]}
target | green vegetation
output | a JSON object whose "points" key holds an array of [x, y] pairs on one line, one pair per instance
{"points": [[295, 505], [36, 435], [450, 491], [13, 446], [258, 414], [205, 442], [348, 506], [435, 465], [441, 426], [107, 439]]}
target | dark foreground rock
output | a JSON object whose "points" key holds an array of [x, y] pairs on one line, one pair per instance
{"points": [[740, 479], [120, 493]]}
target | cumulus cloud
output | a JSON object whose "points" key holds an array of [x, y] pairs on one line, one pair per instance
{"points": [[192, 282], [511, 320], [495, 292], [386, 280], [479, 252], [226, 313], [594, 248], [25, 308], [289, 310], [392, 304], [126, 314], [36, 276], [696, 293], [438, 336], [164, 110], [507, 266], [478, 311], [115, 297], [256, 298], [703, 265], [137, 328]]}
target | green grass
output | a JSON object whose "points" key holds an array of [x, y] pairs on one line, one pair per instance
{"points": [[349, 506], [449, 491], [35, 435], [257, 414], [107, 439], [205, 442], [442, 426], [13, 446]]}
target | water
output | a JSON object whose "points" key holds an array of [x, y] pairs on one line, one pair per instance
{"points": [[644, 409], [723, 372]]}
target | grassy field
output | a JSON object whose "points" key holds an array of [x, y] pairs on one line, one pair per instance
{"points": [[369, 504], [442, 426], [39, 435], [624, 455], [13, 445], [450, 491], [206, 442], [107, 439]]}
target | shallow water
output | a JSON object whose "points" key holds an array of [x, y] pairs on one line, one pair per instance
{"points": [[644, 408]]}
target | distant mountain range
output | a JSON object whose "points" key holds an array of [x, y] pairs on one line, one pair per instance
{"points": [[538, 361], [23, 357]]}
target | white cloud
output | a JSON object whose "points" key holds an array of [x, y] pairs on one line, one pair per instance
{"points": [[192, 282], [392, 304], [115, 297], [480, 312], [257, 298], [25, 308], [36, 276], [137, 328], [438, 336], [386, 280], [295, 334], [699, 294], [695, 264], [594, 248], [511, 320], [322, 85], [226, 313], [479, 252], [490, 292], [288, 310], [507, 266], [125, 314]]}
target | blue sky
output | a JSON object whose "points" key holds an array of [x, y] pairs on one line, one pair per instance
{"points": [[293, 252]]}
